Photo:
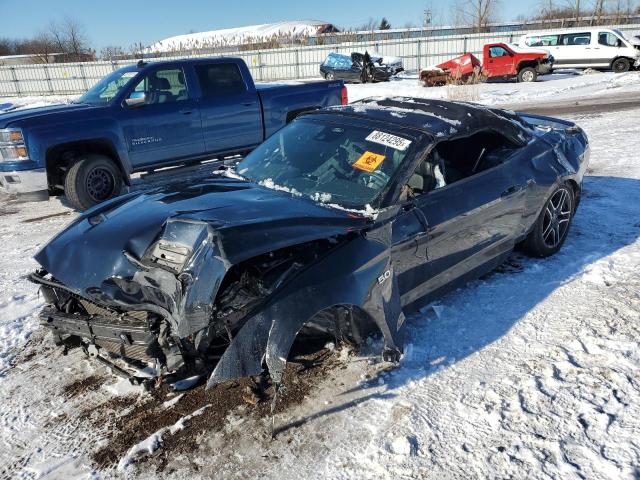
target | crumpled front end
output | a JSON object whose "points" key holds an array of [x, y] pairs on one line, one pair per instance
{"points": [[194, 295], [158, 307]]}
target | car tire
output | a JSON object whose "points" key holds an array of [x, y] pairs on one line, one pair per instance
{"points": [[527, 74], [329, 76], [621, 65], [92, 179], [552, 226]]}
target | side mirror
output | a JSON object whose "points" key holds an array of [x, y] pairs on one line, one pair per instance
{"points": [[136, 99]]}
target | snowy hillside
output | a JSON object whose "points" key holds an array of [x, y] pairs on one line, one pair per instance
{"points": [[239, 35]]}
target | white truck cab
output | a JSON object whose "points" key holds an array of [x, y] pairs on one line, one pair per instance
{"points": [[591, 47]]}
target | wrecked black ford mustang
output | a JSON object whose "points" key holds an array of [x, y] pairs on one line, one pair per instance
{"points": [[340, 224]]}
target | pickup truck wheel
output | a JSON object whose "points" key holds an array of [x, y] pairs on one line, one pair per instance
{"points": [[527, 74], [329, 76], [91, 180], [621, 65]]}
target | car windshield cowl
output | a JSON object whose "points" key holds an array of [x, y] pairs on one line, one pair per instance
{"points": [[347, 165]]}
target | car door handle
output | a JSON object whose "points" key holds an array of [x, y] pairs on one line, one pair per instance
{"points": [[249, 104], [186, 111]]}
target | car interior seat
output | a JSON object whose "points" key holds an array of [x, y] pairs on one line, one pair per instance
{"points": [[160, 90]]}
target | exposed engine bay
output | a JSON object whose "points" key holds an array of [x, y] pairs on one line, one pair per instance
{"points": [[142, 338]]}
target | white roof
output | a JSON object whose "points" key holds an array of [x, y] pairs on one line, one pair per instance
{"points": [[560, 31], [238, 36]]}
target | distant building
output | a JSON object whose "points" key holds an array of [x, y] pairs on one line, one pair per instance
{"points": [[255, 35]]}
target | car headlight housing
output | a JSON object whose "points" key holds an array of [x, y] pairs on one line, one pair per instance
{"points": [[12, 145]]}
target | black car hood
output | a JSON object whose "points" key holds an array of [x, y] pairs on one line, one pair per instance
{"points": [[248, 220]]}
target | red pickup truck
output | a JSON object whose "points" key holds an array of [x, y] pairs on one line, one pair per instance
{"points": [[499, 61]]}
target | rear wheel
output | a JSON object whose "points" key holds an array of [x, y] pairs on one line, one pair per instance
{"points": [[329, 76], [91, 180], [551, 227], [621, 65], [527, 74]]}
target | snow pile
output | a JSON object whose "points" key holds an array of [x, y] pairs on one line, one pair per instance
{"points": [[239, 36]]}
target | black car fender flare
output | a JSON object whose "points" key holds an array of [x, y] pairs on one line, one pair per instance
{"points": [[358, 273]]}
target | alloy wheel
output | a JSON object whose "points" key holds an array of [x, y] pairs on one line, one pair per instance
{"points": [[557, 217]]}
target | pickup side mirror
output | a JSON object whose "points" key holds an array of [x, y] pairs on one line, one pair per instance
{"points": [[136, 99]]}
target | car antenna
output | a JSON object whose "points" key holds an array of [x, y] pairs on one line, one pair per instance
{"points": [[141, 63]]}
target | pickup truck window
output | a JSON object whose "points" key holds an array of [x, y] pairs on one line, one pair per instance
{"points": [[576, 39], [107, 88], [163, 86], [498, 52], [220, 80]]}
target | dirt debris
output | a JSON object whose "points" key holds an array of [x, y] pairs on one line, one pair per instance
{"points": [[150, 414]]}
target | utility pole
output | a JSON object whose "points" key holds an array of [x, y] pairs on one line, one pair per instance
{"points": [[427, 17], [577, 12]]}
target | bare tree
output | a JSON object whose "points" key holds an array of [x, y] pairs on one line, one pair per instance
{"points": [[136, 50], [70, 38], [370, 26], [478, 13], [42, 46], [598, 11], [112, 52], [6, 46]]}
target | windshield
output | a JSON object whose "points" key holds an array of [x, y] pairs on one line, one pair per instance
{"points": [[619, 34], [334, 163], [107, 88]]}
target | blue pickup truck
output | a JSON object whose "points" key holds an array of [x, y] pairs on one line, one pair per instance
{"points": [[144, 117]]}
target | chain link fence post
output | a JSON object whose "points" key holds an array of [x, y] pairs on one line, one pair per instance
{"points": [[14, 77], [84, 77], [47, 75]]}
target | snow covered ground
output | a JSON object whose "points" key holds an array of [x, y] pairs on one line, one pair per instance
{"points": [[531, 372]]}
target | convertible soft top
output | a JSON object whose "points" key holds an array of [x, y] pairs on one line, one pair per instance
{"points": [[439, 118]]}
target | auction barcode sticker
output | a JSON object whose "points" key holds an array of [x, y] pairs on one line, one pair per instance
{"points": [[389, 140]]}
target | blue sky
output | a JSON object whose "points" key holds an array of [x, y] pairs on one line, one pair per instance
{"points": [[120, 22]]}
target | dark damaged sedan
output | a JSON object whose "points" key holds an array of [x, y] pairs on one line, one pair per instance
{"points": [[340, 224]]}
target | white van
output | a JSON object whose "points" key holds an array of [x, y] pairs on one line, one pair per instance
{"points": [[592, 47]]}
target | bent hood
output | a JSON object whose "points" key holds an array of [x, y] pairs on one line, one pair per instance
{"points": [[208, 227]]}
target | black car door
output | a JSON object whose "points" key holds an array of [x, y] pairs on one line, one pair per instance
{"points": [[472, 225]]}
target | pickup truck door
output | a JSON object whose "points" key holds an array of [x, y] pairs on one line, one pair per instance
{"points": [[166, 125], [499, 62], [230, 107]]}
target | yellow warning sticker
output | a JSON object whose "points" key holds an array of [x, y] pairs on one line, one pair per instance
{"points": [[369, 161]]}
